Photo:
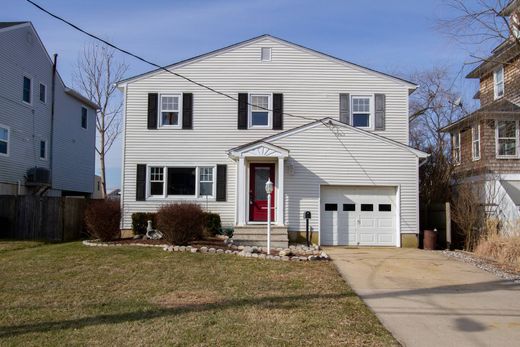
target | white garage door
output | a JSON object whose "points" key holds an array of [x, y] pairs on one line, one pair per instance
{"points": [[364, 216]]}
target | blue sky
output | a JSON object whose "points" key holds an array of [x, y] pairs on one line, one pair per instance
{"points": [[398, 36]]}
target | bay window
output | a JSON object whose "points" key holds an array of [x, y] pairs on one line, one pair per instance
{"points": [[507, 138]]}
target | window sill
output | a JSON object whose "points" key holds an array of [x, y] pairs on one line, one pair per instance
{"points": [[180, 197], [501, 157]]}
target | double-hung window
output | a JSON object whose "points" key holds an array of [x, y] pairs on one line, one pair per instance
{"points": [[43, 93], [27, 92], [260, 114], [156, 181], [4, 140], [456, 147], [84, 117], [43, 150], [362, 111], [507, 138], [206, 181], [170, 112], [475, 141], [498, 79]]}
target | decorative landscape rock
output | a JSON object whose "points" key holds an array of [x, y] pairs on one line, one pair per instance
{"points": [[293, 253]]}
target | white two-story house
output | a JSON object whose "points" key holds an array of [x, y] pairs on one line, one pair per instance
{"points": [[47, 130], [331, 135]]}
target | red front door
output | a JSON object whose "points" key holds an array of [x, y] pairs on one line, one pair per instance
{"points": [[259, 174]]}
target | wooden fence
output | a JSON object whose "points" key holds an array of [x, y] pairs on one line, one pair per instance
{"points": [[52, 219]]}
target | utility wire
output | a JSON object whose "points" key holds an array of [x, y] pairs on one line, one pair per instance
{"points": [[124, 51], [333, 128]]}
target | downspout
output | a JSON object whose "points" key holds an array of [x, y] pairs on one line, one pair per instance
{"points": [[53, 97]]}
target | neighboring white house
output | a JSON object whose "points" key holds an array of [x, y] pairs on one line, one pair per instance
{"points": [[334, 140], [41, 152]]}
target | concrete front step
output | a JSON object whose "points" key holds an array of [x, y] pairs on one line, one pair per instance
{"points": [[256, 235]]}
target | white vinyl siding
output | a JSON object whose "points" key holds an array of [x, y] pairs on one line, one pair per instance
{"points": [[310, 84], [475, 142]]}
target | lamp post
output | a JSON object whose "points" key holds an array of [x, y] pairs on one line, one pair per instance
{"points": [[268, 190]]}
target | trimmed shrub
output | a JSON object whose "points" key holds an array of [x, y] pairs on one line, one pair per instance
{"points": [[181, 223], [213, 225], [102, 218], [140, 221]]}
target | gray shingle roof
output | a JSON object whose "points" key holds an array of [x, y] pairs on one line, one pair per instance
{"points": [[9, 24]]}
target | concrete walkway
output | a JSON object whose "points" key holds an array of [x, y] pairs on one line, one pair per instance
{"points": [[427, 299]]}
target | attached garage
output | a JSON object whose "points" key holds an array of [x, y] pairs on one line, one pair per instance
{"points": [[358, 216]]}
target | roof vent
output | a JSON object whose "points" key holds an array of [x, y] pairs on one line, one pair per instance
{"points": [[265, 54]]}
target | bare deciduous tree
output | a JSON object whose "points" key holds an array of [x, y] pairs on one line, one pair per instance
{"points": [[96, 74], [479, 25], [468, 213]]}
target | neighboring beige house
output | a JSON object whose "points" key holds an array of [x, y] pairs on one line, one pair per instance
{"points": [[486, 143], [331, 135]]}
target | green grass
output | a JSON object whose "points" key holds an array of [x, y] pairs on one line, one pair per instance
{"points": [[70, 294]]}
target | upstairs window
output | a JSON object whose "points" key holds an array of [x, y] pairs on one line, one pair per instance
{"points": [[84, 118], [362, 111], [27, 84], [475, 141], [43, 93], [265, 54], [455, 138], [498, 78], [4, 140], [259, 115], [506, 138], [170, 111]]}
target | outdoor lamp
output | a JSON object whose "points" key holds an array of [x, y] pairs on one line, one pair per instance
{"points": [[268, 186]]}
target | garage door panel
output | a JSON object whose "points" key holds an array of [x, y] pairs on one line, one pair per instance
{"points": [[363, 216]]}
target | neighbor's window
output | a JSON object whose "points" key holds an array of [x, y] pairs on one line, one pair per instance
{"points": [[43, 93], [455, 138], [361, 111], [43, 149], [498, 78], [27, 83], [206, 181], [157, 181], [260, 114], [266, 53], [84, 118], [170, 110], [507, 138], [475, 141], [4, 140], [181, 181]]}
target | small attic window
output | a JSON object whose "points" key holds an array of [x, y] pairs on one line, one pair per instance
{"points": [[265, 54]]}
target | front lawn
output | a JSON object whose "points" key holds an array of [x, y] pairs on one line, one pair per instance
{"points": [[69, 294]]}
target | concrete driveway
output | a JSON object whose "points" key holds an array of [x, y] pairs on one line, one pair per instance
{"points": [[427, 299]]}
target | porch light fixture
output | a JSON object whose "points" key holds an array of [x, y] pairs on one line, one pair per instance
{"points": [[269, 190]]}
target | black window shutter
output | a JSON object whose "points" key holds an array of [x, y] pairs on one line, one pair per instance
{"points": [[187, 111], [344, 108], [221, 182], [277, 111], [153, 100], [380, 114], [140, 189], [242, 111]]}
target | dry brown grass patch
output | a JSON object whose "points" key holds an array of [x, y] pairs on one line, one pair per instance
{"points": [[504, 249], [184, 299]]}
